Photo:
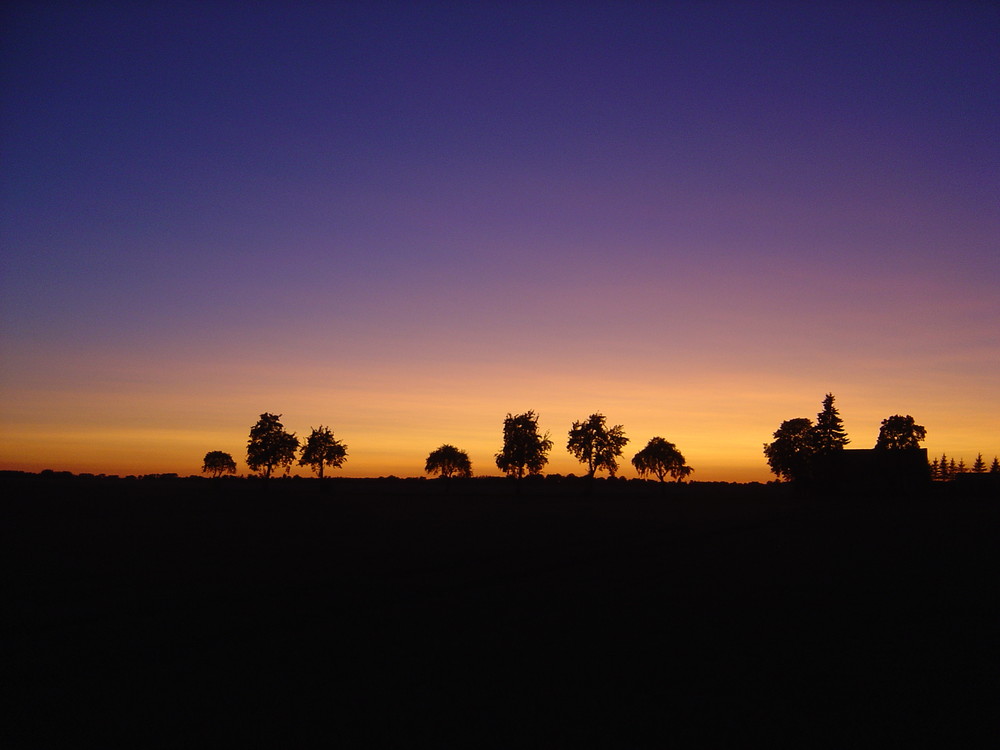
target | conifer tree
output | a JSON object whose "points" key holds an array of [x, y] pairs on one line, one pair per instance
{"points": [[934, 469], [943, 468], [979, 467], [961, 466], [952, 469], [828, 433], [995, 466]]}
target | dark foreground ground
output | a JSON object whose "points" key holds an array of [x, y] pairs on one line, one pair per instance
{"points": [[396, 613]]}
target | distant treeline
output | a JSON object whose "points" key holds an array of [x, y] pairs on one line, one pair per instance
{"points": [[524, 452], [945, 468]]}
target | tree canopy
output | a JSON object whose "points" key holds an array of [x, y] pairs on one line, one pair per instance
{"points": [[270, 446], [661, 458], [524, 449], [801, 450], [594, 443], [323, 449], [218, 463], [448, 461], [790, 453], [898, 432]]}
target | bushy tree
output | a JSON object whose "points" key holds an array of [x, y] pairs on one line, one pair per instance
{"points": [[683, 472], [594, 443], [828, 432], [218, 463], [791, 452], [524, 449], [323, 449], [449, 461], [661, 458], [979, 466], [270, 446], [801, 449], [899, 433]]}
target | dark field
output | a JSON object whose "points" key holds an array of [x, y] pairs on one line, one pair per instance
{"points": [[174, 613]]}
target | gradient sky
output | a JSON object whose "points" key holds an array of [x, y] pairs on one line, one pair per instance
{"points": [[404, 220]]}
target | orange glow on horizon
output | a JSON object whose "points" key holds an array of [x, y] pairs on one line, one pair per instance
{"points": [[719, 425]]}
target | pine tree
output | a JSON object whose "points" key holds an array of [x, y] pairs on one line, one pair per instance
{"points": [[952, 469], [979, 467], [943, 474], [961, 466], [828, 433], [934, 469], [995, 466]]}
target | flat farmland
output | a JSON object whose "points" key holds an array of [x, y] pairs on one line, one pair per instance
{"points": [[166, 613]]}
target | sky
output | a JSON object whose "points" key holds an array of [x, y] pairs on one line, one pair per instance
{"points": [[405, 220]]}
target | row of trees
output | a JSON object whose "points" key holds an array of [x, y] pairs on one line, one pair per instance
{"points": [[272, 447], [591, 442], [945, 468], [800, 447], [524, 452], [799, 451]]}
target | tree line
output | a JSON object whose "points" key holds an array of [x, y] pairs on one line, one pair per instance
{"points": [[524, 452], [946, 468], [801, 449]]}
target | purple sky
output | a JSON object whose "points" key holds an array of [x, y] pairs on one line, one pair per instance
{"points": [[210, 210]]}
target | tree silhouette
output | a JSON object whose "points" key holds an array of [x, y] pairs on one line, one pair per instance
{"points": [[218, 463], [596, 445], [828, 434], [661, 458], [979, 467], [449, 461], [523, 448], [323, 449], [270, 446], [683, 472], [790, 455], [995, 466], [899, 432]]}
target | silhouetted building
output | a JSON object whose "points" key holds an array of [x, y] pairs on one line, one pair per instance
{"points": [[874, 468]]}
